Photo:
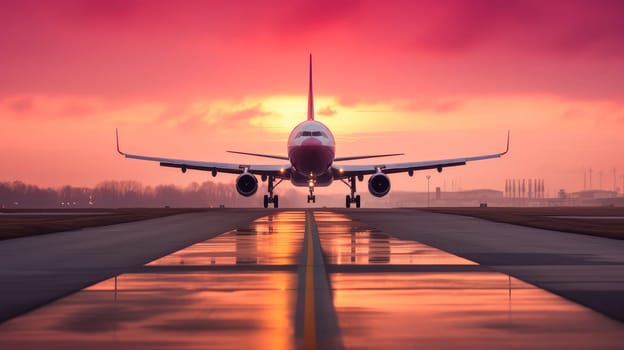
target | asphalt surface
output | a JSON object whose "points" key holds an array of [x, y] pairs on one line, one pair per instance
{"points": [[36, 270], [588, 270], [355, 279]]}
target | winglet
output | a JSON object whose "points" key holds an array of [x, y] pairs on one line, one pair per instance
{"points": [[117, 138], [506, 149], [310, 97]]}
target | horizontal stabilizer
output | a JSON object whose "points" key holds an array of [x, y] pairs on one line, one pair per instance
{"points": [[340, 159], [260, 155]]}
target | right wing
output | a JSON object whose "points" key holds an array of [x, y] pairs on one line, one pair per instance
{"points": [[279, 171], [260, 155]]}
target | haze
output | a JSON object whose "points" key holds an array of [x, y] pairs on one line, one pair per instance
{"points": [[430, 79]]}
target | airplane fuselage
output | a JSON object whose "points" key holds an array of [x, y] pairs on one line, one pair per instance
{"points": [[311, 151]]}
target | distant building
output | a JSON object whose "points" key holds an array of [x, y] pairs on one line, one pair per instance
{"points": [[460, 198], [478, 195], [593, 194]]}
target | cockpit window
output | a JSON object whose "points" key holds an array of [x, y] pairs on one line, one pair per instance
{"points": [[311, 133]]}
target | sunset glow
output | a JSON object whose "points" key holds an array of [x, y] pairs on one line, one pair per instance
{"points": [[431, 79]]}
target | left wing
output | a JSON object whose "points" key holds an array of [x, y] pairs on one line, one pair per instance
{"points": [[342, 171], [340, 159], [279, 171]]}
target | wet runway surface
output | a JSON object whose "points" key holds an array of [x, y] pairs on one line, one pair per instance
{"points": [[303, 280]]}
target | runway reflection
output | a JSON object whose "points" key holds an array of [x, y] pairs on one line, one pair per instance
{"points": [[172, 311], [344, 242], [466, 310], [271, 240], [182, 309]]}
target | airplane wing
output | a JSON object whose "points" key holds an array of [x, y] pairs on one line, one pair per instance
{"points": [[260, 155], [340, 159], [344, 170], [279, 171]]}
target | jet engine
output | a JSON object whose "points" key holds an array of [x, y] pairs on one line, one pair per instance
{"points": [[379, 185], [246, 184]]}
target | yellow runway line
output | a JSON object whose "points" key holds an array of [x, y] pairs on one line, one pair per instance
{"points": [[309, 323]]}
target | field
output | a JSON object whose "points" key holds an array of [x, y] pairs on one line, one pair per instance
{"points": [[21, 223], [597, 221]]}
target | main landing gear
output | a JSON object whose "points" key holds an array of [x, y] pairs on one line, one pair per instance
{"points": [[270, 198], [351, 198]]}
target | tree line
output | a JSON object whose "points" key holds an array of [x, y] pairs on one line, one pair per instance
{"points": [[115, 194]]}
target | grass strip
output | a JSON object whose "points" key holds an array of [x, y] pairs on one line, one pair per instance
{"points": [[583, 220], [15, 224]]}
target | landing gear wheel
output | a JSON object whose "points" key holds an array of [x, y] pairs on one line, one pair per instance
{"points": [[351, 198], [270, 198]]}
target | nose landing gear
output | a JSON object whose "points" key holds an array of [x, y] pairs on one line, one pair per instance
{"points": [[311, 196]]}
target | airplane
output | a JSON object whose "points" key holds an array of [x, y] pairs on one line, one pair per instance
{"points": [[311, 162]]}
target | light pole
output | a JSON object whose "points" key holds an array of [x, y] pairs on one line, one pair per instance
{"points": [[428, 177], [600, 177]]}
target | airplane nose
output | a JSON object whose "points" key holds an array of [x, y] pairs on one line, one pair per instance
{"points": [[311, 141]]}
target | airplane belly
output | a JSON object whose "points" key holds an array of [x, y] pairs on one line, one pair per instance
{"points": [[319, 181]]}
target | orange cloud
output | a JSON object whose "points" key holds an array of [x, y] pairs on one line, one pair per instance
{"points": [[326, 111]]}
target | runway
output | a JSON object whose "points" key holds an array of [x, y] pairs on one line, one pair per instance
{"points": [[38, 269], [586, 269], [351, 279]]}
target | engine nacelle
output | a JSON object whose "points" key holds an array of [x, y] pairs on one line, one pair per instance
{"points": [[379, 185], [246, 184]]}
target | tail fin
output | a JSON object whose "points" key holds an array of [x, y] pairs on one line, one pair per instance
{"points": [[310, 97]]}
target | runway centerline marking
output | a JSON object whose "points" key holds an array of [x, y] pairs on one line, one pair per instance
{"points": [[309, 335], [316, 323]]}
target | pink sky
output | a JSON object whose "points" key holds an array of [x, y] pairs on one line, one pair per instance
{"points": [[432, 79]]}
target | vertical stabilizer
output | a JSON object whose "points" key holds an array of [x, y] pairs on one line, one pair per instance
{"points": [[310, 97]]}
